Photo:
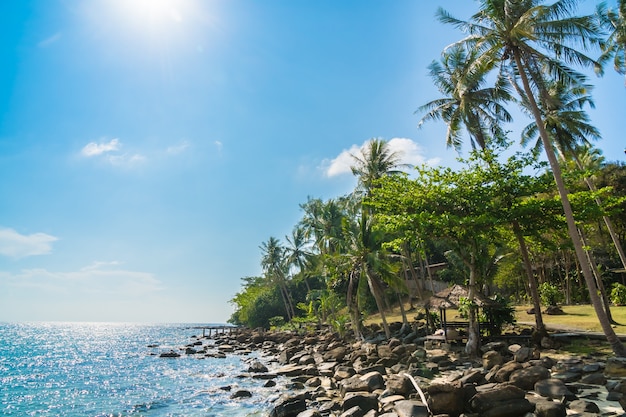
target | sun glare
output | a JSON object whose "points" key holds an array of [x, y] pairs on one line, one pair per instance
{"points": [[151, 12]]}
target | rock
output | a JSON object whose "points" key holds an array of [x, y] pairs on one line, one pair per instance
{"points": [[596, 378], [483, 401], [527, 377], [506, 370], [491, 359], [584, 406], [170, 354], [364, 401], [335, 355], [242, 393], [291, 370], [410, 408], [288, 406], [554, 311], [551, 388], [344, 372], [550, 409], [368, 382], [399, 384], [446, 399], [524, 354], [615, 367], [353, 412], [257, 367], [309, 413], [270, 383], [306, 360]]}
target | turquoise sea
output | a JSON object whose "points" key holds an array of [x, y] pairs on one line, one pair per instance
{"points": [[107, 369]]}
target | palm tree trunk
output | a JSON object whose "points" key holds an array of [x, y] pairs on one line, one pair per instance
{"points": [[473, 338], [376, 291], [613, 340], [596, 274], [532, 281], [353, 308]]}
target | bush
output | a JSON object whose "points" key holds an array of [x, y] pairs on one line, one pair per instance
{"points": [[618, 294], [550, 294], [277, 321]]}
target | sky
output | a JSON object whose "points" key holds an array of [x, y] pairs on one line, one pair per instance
{"points": [[149, 147]]}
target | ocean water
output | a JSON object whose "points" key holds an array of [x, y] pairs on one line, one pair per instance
{"points": [[108, 370]]}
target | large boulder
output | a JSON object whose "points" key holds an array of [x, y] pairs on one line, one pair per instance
{"points": [[289, 406], [615, 367], [491, 359], [410, 408], [446, 399], [526, 378]]}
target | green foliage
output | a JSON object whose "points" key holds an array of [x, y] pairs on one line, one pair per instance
{"points": [[276, 321], [501, 314], [618, 294], [550, 294], [464, 307]]}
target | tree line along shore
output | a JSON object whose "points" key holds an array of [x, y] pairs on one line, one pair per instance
{"points": [[513, 226]]}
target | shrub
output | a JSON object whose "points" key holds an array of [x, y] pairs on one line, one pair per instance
{"points": [[550, 294], [618, 294]]}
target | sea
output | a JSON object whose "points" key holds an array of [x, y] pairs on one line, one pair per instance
{"points": [[114, 369]]}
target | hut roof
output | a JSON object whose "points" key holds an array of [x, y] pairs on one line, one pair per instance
{"points": [[449, 298]]}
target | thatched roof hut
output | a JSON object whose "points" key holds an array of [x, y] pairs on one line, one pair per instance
{"points": [[449, 298]]}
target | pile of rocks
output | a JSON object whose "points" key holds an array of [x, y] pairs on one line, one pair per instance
{"points": [[324, 375]]}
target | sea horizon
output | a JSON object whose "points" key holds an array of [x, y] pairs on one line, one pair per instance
{"points": [[114, 369]]}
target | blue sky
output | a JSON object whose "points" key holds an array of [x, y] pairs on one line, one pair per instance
{"points": [[148, 147]]}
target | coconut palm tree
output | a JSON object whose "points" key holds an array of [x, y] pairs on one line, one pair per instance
{"points": [[274, 265], [460, 77], [615, 45], [370, 262], [536, 43], [298, 253]]}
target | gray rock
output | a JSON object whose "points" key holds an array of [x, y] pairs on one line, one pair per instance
{"points": [[527, 377], [257, 366], [492, 358], [364, 401], [596, 378], [446, 399], [399, 384], [551, 388], [584, 406], [550, 409], [288, 406], [506, 370], [310, 413], [242, 393], [484, 401], [353, 412], [615, 367], [410, 408]]}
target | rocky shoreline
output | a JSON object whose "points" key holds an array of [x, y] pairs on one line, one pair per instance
{"points": [[321, 374]]}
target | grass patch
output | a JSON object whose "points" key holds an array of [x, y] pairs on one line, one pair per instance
{"points": [[578, 317]]}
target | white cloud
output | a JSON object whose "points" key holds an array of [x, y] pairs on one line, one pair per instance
{"points": [[410, 153], [15, 245], [97, 278], [49, 40], [176, 149], [219, 145], [93, 148]]}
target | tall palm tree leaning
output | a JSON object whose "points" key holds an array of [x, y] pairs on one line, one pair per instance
{"points": [[468, 102], [531, 41]]}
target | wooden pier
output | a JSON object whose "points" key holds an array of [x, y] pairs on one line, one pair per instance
{"points": [[217, 330]]}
